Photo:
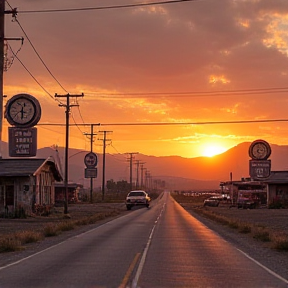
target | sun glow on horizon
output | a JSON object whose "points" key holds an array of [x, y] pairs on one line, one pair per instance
{"points": [[210, 150]]}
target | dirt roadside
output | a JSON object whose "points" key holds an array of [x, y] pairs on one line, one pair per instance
{"points": [[274, 219], [75, 212]]}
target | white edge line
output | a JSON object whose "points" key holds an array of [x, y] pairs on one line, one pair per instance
{"points": [[143, 258], [245, 254], [264, 267]]}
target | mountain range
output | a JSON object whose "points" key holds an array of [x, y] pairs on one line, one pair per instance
{"points": [[179, 173]]}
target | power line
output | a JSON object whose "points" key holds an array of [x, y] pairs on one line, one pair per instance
{"points": [[106, 7], [193, 94], [38, 55], [77, 125], [34, 78], [194, 123], [170, 123]]}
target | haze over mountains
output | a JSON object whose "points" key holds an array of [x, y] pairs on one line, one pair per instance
{"points": [[179, 173]]}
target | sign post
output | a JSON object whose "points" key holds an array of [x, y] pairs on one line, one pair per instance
{"points": [[259, 165], [91, 161]]}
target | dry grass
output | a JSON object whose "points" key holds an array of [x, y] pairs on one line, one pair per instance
{"points": [[280, 241], [50, 230], [10, 244], [40, 227], [26, 237]]}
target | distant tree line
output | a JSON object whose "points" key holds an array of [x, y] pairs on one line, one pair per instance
{"points": [[119, 186]]}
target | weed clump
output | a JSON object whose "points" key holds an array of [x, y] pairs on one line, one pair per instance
{"points": [[50, 230], [262, 234], [233, 224], [26, 237], [10, 244], [66, 226], [245, 228], [280, 241]]}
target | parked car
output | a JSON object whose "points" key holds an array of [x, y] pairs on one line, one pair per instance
{"points": [[213, 201], [136, 198], [246, 203]]}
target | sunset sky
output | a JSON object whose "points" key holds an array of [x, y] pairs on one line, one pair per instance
{"points": [[194, 66]]}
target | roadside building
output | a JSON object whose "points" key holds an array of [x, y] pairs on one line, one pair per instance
{"points": [[271, 191], [74, 190], [277, 189], [27, 184], [246, 189]]}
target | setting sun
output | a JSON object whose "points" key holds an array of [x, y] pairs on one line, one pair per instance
{"points": [[211, 150]]}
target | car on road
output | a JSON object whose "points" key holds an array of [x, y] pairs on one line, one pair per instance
{"points": [[137, 198], [213, 201]]}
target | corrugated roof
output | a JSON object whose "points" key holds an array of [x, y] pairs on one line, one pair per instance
{"points": [[19, 167], [25, 167]]}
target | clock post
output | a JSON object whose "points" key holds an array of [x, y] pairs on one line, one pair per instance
{"points": [[259, 165], [23, 112]]}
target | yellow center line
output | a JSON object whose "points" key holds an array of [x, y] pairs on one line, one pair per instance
{"points": [[129, 271]]}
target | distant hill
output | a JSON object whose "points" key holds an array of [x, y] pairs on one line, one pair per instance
{"points": [[179, 173]]}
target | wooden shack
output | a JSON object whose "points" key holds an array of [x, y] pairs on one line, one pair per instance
{"points": [[27, 184]]}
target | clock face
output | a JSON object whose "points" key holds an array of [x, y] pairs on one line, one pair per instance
{"points": [[260, 150], [23, 110]]}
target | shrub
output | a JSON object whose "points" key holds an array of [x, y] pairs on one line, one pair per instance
{"points": [[10, 244], [82, 222], [28, 236], [50, 230], [233, 224], [280, 241], [66, 226], [245, 228], [262, 234]]}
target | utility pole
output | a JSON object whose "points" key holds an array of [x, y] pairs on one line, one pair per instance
{"points": [[131, 165], [137, 173], [2, 11], [142, 169], [146, 182], [104, 160], [2, 38], [148, 179], [138, 163], [68, 106], [91, 150]]}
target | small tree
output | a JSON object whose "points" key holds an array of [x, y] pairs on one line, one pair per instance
{"points": [[111, 185]]}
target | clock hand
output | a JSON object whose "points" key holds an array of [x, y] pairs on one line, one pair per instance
{"points": [[15, 115], [22, 112]]}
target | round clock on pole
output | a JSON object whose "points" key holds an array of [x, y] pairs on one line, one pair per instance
{"points": [[259, 150], [23, 110]]}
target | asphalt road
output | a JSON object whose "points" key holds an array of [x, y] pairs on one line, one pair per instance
{"points": [[163, 246]]}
